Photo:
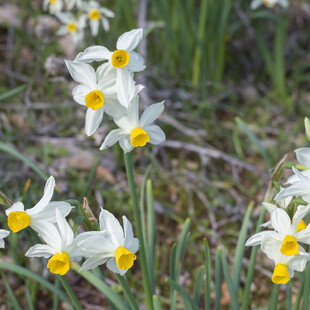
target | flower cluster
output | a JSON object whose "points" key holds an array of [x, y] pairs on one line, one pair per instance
{"points": [[90, 13], [112, 245], [282, 244], [111, 89]]}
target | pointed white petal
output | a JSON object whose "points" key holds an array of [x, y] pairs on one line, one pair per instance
{"points": [[47, 196], [94, 27], [113, 108], [94, 53], [17, 206], [94, 261], [303, 156], [151, 114], [40, 250], [301, 212], [107, 12], [128, 41], [98, 243], [125, 85], [93, 120], [65, 231], [108, 222], [156, 134], [130, 242], [4, 233], [62, 31], [135, 63], [256, 3], [79, 93], [82, 73], [126, 145], [270, 207], [280, 221], [112, 137]]}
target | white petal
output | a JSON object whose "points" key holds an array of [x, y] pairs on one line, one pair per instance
{"points": [[79, 93], [256, 3], [270, 207], [4, 233], [111, 264], [280, 221], [125, 85], [98, 243], [82, 73], [108, 222], [93, 120], [130, 243], [301, 212], [107, 12], [65, 18], [106, 76], [40, 250], [62, 31], [136, 62], [133, 113], [17, 206], [294, 178], [65, 231], [298, 262], [94, 53], [255, 239], [303, 156], [126, 145], [128, 41], [156, 134], [94, 261], [94, 27], [151, 114], [114, 109], [47, 196], [112, 137]]}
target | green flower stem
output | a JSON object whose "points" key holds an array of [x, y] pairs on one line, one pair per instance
{"points": [[70, 293], [126, 289], [138, 225]]}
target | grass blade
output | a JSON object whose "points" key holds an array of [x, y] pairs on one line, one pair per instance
{"points": [[70, 292], [12, 92], [156, 303], [273, 302], [218, 279], [10, 293], [199, 285], [208, 275]]}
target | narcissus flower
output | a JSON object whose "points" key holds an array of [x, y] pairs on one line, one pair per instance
{"points": [[71, 26], [61, 246], [286, 233], [134, 132], [284, 265], [95, 15], [3, 233], [303, 157], [300, 187], [44, 210], [123, 59], [269, 3], [54, 6], [112, 245], [97, 91]]}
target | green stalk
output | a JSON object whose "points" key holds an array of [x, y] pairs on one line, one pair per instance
{"points": [[273, 303], [70, 293], [138, 225], [128, 294]]}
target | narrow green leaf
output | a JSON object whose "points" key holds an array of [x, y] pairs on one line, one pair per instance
{"points": [[306, 292], [218, 279], [233, 292], [28, 298], [10, 293], [240, 246], [127, 291], [208, 275], [12, 92], [11, 150], [289, 295], [156, 303], [273, 302], [300, 292], [199, 285]]}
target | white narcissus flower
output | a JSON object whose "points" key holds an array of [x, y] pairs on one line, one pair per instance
{"points": [[72, 3], [135, 132], [3, 233], [44, 210], [97, 14], [286, 232], [97, 91], [61, 246], [53, 6], [112, 245], [303, 157], [284, 265], [300, 187], [124, 59], [71, 26], [269, 3]]}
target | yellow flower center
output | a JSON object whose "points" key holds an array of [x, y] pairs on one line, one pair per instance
{"points": [[139, 137], [59, 263], [71, 27], [18, 220], [94, 14], [120, 58], [52, 1], [124, 258], [94, 99], [301, 225], [280, 274], [289, 246]]}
